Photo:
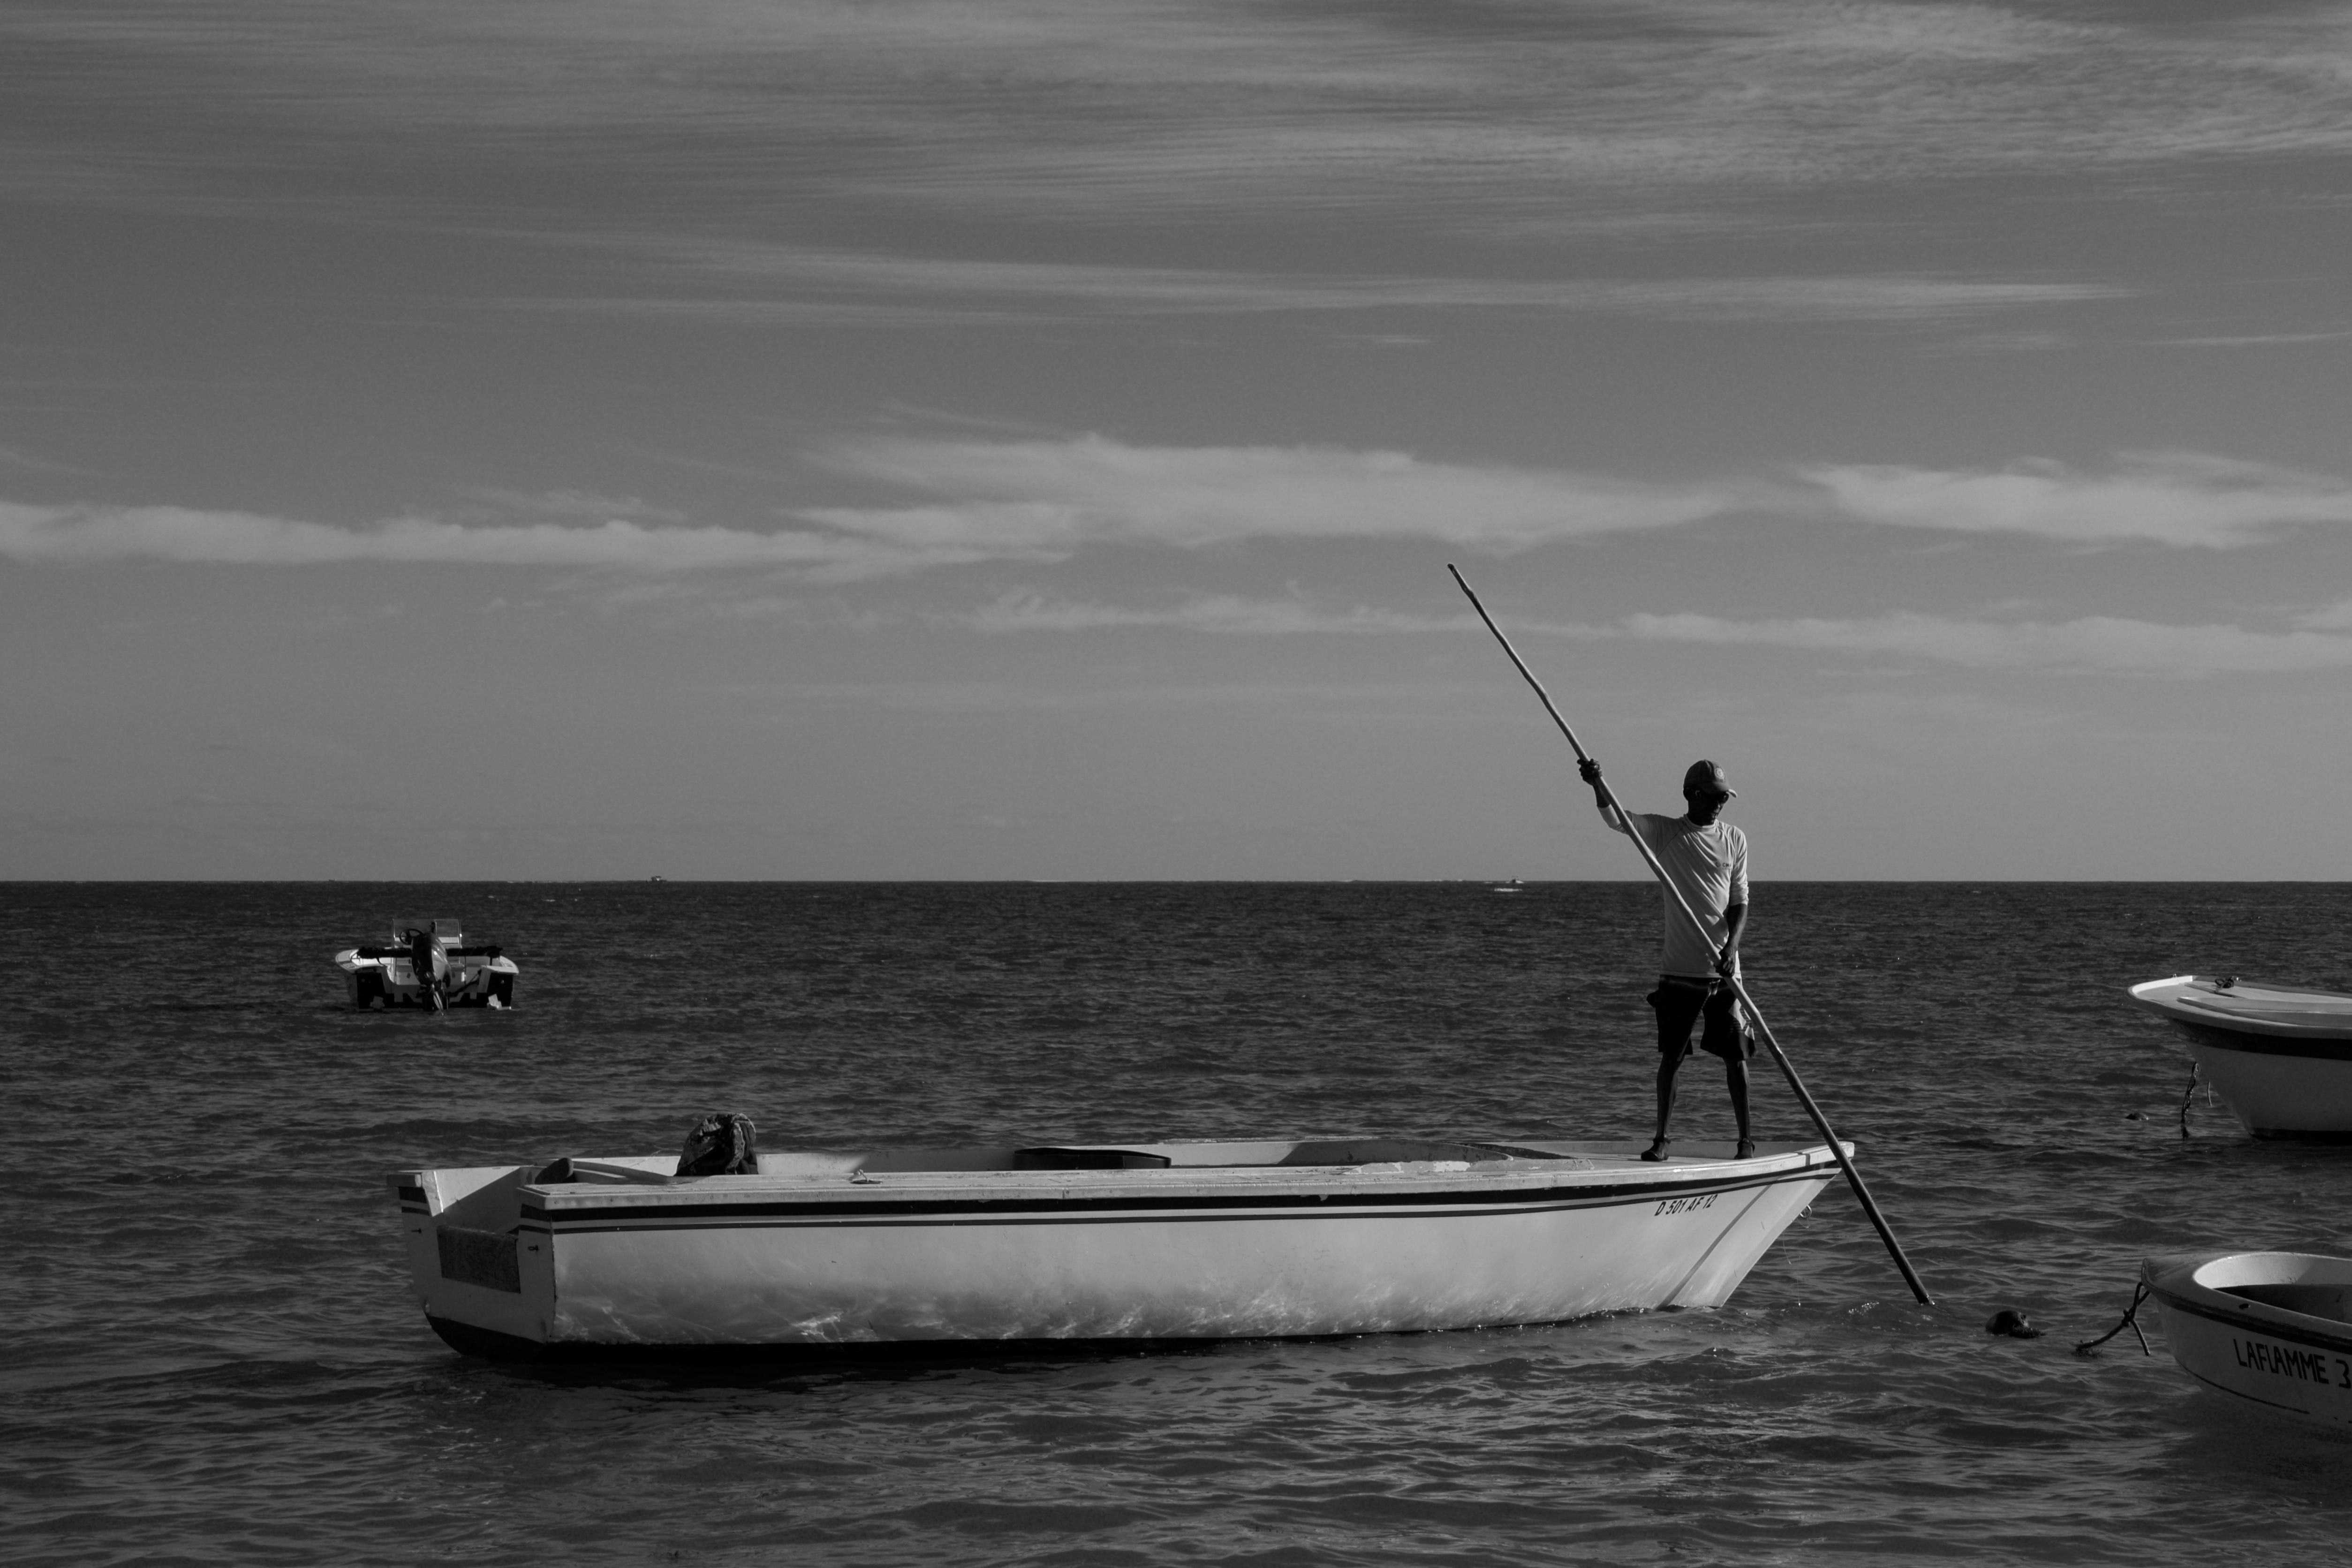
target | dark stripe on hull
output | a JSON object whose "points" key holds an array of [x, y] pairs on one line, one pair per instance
{"points": [[1243, 1206], [2331, 1048]]}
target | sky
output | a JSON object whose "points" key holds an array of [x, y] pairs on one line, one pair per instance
{"points": [[1026, 439]]}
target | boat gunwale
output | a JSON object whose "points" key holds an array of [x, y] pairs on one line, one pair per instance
{"points": [[2173, 1282], [1131, 1209], [2335, 1047], [1574, 1179], [2265, 1027]]}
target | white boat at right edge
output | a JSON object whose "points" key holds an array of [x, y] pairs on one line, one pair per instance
{"points": [[2279, 1056], [1144, 1241], [2268, 1328]]}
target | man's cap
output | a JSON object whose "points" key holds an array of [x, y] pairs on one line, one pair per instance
{"points": [[1705, 776]]}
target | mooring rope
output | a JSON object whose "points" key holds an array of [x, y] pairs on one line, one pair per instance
{"points": [[2130, 1321], [2186, 1095]]}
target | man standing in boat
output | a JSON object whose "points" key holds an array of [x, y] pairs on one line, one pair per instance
{"points": [[1706, 858]]}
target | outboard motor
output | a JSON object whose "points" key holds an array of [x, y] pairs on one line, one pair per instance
{"points": [[430, 961]]}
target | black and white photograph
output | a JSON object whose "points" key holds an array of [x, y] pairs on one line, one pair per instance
{"points": [[1306, 783]]}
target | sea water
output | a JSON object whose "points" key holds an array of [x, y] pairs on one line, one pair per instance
{"points": [[209, 1351]]}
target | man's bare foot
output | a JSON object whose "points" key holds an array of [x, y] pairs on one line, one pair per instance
{"points": [[1747, 1150], [1657, 1150]]}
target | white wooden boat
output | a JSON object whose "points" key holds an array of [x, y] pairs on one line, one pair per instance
{"points": [[428, 966], [2271, 1328], [1149, 1241], [2280, 1057]]}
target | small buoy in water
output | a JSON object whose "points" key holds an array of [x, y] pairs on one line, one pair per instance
{"points": [[2134, 1116], [2010, 1322]]}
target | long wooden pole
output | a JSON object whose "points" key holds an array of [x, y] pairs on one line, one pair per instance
{"points": [[1845, 1162]]}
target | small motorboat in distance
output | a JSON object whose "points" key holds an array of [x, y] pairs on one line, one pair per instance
{"points": [[2273, 1329], [428, 966], [2279, 1056], [1144, 1241]]}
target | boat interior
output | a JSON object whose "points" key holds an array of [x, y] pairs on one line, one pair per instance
{"points": [[1081, 1157], [2316, 1300], [2312, 1284], [1156, 1156]]}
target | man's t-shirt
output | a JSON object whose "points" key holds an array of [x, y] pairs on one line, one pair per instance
{"points": [[1710, 865]]}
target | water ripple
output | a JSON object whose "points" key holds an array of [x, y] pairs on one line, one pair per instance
{"points": [[214, 1356]]}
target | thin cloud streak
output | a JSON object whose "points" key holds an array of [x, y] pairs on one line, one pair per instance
{"points": [[2257, 340], [995, 501], [2104, 643], [2184, 498], [1054, 496], [574, 504], [32, 462], [87, 535], [1122, 696], [1016, 292], [2090, 644], [1214, 613], [1045, 500]]}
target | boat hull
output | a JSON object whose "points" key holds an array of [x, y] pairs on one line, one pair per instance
{"points": [[848, 1255], [2280, 1059], [474, 980], [2263, 1330], [372, 988]]}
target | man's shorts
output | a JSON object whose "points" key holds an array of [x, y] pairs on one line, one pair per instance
{"points": [[1682, 1001]]}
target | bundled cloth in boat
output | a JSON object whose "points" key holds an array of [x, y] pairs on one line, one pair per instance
{"points": [[721, 1144]]}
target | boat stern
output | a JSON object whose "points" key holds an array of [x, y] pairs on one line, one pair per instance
{"points": [[484, 1278], [386, 976]]}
